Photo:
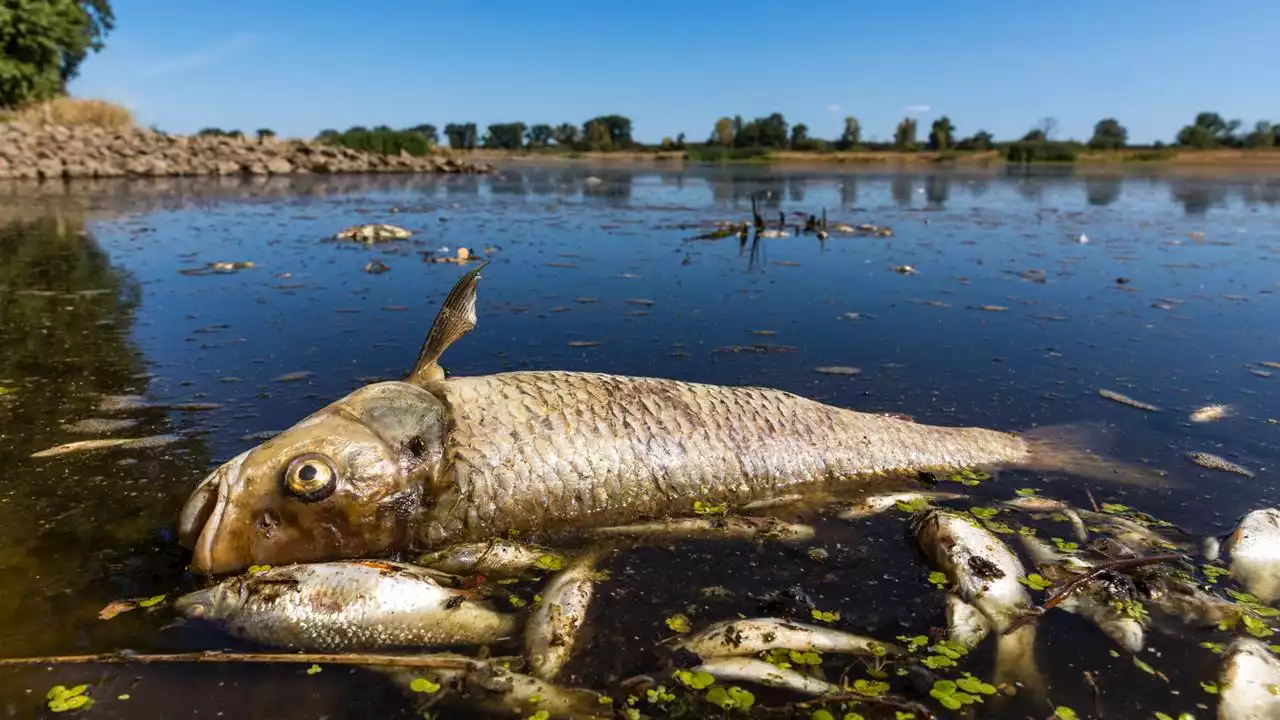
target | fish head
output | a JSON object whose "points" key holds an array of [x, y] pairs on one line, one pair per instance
{"points": [[213, 603], [346, 481]]}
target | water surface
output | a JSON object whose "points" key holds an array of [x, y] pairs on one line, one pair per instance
{"points": [[1171, 300]]}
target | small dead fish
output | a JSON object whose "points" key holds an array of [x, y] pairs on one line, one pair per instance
{"points": [[490, 688], [904, 269], [376, 267], [373, 232], [876, 504], [1210, 413], [1270, 364], [99, 426], [1100, 602], [1035, 503], [993, 308], [1126, 400], [104, 443], [1249, 682], [731, 526], [294, 376], [766, 503], [755, 670], [1213, 462], [756, 635], [552, 628], [497, 557], [838, 370], [1253, 550], [347, 606], [1133, 537]]}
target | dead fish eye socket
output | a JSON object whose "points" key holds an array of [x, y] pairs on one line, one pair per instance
{"points": [[311, 477]]}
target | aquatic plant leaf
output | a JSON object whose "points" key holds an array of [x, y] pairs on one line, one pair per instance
{"points": [[549, 562], [116, 607], [824, 616], [974, 686], [1025, 492], [742, 699], [659, 695], [679, 623], [1062, 712], [1144, 666], [853, 716], [152, 601], [696, 680], [983, 512], [701, 508], [939, 579], [821, 714], [1209, 687], [424, 685], [255, 569], [1114, 508], [871, 688], [123, 696], [314, 669], [540, 715], [1216, 648]]}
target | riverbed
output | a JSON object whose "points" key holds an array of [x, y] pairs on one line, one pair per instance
{"points": [[1028, 292]]}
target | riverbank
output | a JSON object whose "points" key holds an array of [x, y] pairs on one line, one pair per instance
{"points": [[1128, 158], [48, 152]]}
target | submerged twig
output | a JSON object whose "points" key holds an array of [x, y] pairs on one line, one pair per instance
{"points": [[1058, 597], [217, 656]]}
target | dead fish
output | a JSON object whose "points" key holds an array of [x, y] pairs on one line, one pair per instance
{"points": [[1249, 682], [104, 443], [757, 635], [347, 606], [838, 370], [1210, 413], [1253, 551], [1107, 601], [1036, 503], [760, 672], [99, 426], [411, 465], [491, 688], [373, 232], [876, 504], [737, 527], [1213, 462], [1126, 400], [553, 627], [1177, 595], [771, 502], [497, 557], [376, 267], [1131, 537]]}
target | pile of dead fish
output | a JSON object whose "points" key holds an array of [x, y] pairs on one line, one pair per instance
{"points": [[1119, 569]]}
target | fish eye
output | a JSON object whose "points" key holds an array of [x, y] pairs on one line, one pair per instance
{"points": [[311, 477]]}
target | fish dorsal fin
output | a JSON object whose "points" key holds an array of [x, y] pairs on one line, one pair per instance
{"points": [[456, 318]]}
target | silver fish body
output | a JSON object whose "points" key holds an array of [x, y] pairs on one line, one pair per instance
{"points": [[1249, 682], [1254, 552], [883, 502], [491, 688], [552, 628], [347, 606], [497, 556], [756, 635], [730, 669], [1100, 603], [983, 571], [738, 527]]}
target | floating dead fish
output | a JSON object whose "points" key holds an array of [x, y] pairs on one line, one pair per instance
{"points": [[554, 625], [1035, 503], [1213, 462], [1106, 601], [435, 459], [904, 269], [1132, 537], [838, 370], [993, 308], [490, 688], [735, 527], [347, 606], [1249, 682], [1210, 413], [757, 635], [497, 557], [1253, 551], [106, 443], [373, 232], [230, 266], [876, 504], [760, 672], [766, 503], [99, 426], [1126, 400]]}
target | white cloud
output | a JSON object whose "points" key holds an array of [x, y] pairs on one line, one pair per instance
{"points": [[916, 109], [833, 108], [211, 54]]}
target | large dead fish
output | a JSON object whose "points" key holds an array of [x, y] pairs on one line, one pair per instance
{"points": [[419, 463], [1253, 550], [1249, 682]]}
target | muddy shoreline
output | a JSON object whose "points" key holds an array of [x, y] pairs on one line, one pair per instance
{"points": [[53, 152]]}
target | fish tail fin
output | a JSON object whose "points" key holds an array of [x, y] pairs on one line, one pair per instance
{"points": [[1080, 449]]}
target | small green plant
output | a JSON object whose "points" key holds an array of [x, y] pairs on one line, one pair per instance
{"points": [[701, 508], [679, 623], [549, 562], [1035, 581], [62, 699], [424, 685], [824, 616], [939, 579]]}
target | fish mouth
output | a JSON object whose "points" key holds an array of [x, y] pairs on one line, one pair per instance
{"points": [[195, 605], [201, 518]]}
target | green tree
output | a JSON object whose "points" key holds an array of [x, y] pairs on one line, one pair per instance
{"points": [[616, 127], [211, 132], [595, 135], [1263, 135], [904, 136], [462, 136], [680, 141], [566, 134], [762, 132], [505, 136], [941, 134], [44, 42], [540, 135], [980, 141], [428, 131], [723, 133], [1108, 134], [852, 134], [799, 136], [1209, 130], [265, 134], [1035, 135], [328, 135]]}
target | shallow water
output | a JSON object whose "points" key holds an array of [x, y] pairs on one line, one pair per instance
{"points": [[1171, 301]]}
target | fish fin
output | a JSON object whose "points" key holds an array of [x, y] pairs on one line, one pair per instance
{"points": [[1074, 449], [456, 318]]}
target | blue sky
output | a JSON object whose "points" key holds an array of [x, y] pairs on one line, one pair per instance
{"points": [[298, 67]]}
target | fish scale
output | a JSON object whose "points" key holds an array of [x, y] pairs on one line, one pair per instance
{"points": [[527, 447]]}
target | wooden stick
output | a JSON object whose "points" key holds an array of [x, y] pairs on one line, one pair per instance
{"points": [[1058, 597], [218, 656]]}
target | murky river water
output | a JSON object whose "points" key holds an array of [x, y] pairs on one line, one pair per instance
{"points": [[1172, 300]]}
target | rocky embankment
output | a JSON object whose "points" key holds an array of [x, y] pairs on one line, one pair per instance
{"points": [[58, 151]]}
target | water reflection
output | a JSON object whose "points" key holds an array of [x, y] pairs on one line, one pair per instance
{"points": [[937, 190], [900, 188], [1102, 190], [1198, 196]]}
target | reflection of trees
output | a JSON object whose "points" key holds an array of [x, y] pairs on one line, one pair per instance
{"points": [[795, 190], [848, 191], [1263, 192], [510, 182], [1197, 196], [615, 188], [1102, 189], [69, 524], [900, 188], [937, 190]]}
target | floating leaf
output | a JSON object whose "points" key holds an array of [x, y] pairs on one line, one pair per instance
{"points": [[937, 662], [659, 695], [1062, 712], [1114, 508], [123, 696], [1216, 648], [517, 601], [805, 658], [1143, 666], [871, 688], [1025, 492], [1256, 627], [974, 686], [939, 579], [742, 699], [821, 714], [696, 680], [853, 716], [824, 616], [549, 562], [1209, 687], [314, 669], [116, 607], [679, 623], [152, 601], [540, 715], [424, 685], [998, 527], [255, 569], [1035, 581], [701, 508]]}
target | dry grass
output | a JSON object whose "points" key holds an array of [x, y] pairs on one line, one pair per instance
{"points": [[75, 112]]}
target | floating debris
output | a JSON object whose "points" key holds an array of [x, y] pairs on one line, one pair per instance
{"points": [[373, 232], [105, 443], [294, 376], [1213, 462], [583, 343], [1126, 400], [761, 672], [99, 426], [993, 308], [838, 370], [376, 267], [1210, 413], [710, 526], [904, 269]]}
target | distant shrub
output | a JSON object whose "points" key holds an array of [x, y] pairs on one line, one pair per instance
{"points": [[719, 153], [382, 142], [1029, 151], [1153, 155], [76, 112]]}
